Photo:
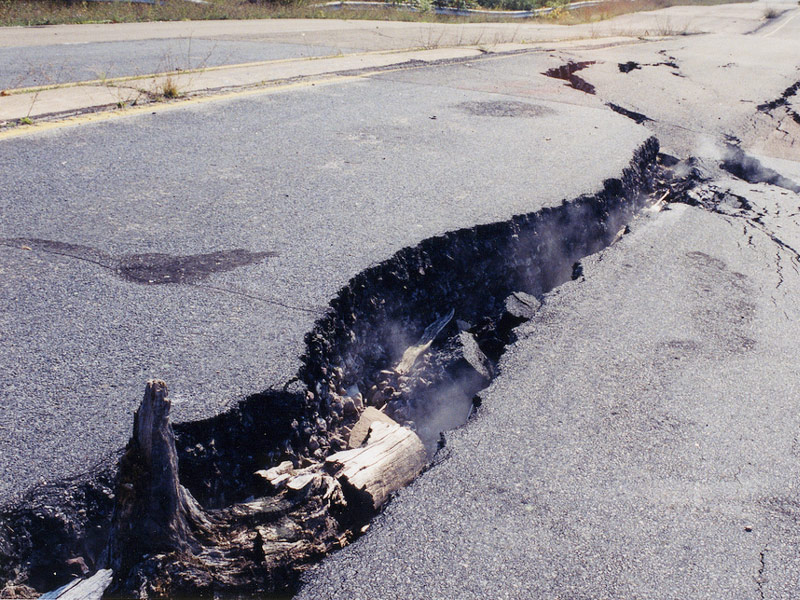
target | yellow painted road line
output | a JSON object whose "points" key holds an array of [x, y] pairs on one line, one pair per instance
{"points": [[262, 63], [266, 89], [157, 107], [98, 117]]}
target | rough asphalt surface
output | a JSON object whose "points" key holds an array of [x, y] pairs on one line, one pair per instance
{"points": [[641, 440], [325, 180]]}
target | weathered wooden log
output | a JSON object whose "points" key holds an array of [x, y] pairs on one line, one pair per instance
{"points": [[276, 477], [392, 457], [154, 512], [360, 430], [91, 588]]}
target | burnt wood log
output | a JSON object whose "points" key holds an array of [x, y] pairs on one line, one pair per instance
{"points": [[163, 544], [392, 457]]}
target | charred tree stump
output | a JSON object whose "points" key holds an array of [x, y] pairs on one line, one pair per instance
{"points": [[163, 544], [154, 512]]}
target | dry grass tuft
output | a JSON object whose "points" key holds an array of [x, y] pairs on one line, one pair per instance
{"points": [[168, 88]]}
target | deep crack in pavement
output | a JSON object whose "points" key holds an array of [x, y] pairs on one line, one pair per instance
{"points": [[656, 447]]}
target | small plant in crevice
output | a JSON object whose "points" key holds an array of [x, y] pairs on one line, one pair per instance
{"points": [[168, 88]]}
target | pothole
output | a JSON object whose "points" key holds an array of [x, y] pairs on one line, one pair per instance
{"points": [[266, 487], [632, 65], [629, 66]]}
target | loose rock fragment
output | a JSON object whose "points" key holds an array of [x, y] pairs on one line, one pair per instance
{"points": [[522, 305], [469, 365]]}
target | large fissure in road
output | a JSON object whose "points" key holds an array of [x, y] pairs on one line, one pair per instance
{"points": [[259, 496]]}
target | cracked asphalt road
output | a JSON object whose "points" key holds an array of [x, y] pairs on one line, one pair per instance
{"points": [[641, 438], [639, 442], [324, 180]]}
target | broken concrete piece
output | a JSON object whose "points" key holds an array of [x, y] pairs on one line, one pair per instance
{"points": [[361, 428], [469, 364]]}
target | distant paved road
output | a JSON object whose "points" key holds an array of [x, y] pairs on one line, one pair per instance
{"points": [[63, 53], [47, 65]]}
